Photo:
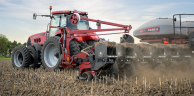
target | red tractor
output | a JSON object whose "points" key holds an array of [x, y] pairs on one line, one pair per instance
{"points": [[70, 42]]}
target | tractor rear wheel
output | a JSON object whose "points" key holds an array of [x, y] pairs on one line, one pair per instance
{"points": [[51, 53], [91, 42], [20, 57], [74, 48], [34, 57]]}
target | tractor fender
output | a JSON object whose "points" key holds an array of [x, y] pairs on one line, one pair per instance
{"points": [[37, 46]]}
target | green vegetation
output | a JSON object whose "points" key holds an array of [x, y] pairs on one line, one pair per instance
{"points": [[2, 57], [7, 46]]}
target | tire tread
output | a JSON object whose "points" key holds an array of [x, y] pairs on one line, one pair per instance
{"points": [[26, 56]]}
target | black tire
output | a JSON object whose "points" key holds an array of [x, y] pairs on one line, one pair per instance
{"points": [[34, 57], [127, 38], [73, 48], [20, 57], [87, 75], [50, 59], [91, 42], [28, 42]]}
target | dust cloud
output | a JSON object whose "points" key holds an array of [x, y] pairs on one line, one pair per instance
{"points": [[172, 71]]}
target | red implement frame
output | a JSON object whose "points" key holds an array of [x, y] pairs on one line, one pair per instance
{"points": [[66, 59]]}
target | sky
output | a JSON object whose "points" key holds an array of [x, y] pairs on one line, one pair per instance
{"points": [[16, 16]]}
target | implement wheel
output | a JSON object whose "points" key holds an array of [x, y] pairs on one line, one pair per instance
{"points": [[50, 54], [87, 75], [20, 57]]}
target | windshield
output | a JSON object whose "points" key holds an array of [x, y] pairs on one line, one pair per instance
{"points": [[83, 24], [55, 23]]}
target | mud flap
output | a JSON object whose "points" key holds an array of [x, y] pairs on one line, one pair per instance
{"points": [[121, 52], [104, 55], [100, 56]]}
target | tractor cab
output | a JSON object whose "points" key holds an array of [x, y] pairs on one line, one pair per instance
{"points": [[62, 18]]}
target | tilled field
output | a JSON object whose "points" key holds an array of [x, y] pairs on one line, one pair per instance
{"points": [[169, 81]]}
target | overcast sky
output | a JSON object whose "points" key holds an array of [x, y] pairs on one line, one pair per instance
{"points": [[16, 20]]}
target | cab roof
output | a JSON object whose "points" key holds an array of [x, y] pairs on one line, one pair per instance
{"points": [[68, 11]]}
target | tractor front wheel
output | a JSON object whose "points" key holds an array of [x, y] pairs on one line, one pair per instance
{"points": [[50, 53]]}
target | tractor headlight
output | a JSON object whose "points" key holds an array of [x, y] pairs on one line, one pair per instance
{"points": [[100, 54]]}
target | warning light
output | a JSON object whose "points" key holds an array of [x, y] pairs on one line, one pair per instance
{"points": [[80, 39], [165, 42], [67, 11], [50, 7]]}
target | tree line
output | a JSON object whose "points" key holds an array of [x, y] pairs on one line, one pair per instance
{"points": [[7, 46]]}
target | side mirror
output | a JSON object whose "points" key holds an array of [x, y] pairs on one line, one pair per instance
{"points": [[34, 16], [75, 19], [174, 19]]}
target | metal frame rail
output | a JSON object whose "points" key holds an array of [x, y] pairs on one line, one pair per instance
{"points": [[174, 19]]}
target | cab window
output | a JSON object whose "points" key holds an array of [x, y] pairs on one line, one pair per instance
{"points": [[55, 23]]}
